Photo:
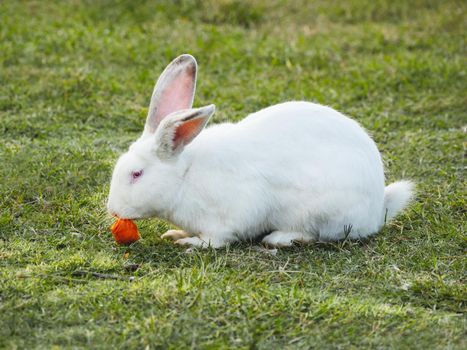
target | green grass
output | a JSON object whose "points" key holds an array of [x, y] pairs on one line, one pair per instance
{"points": [[75, 82]]}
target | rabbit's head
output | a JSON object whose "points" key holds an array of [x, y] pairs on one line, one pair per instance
{"points": [[146, 176]]}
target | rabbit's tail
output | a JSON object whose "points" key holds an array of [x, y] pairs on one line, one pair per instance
{"points": [[396, 197]]}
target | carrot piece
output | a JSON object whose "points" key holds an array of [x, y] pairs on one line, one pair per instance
{"points": [[125, 231]]}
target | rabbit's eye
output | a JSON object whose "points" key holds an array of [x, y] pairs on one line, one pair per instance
{"points": [[136, 174]]}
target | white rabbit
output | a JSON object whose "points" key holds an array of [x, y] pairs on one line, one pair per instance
{"points": [[296, 171]]}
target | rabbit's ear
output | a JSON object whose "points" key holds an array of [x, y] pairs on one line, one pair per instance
{"points": [[174, 91], [178, 130]]}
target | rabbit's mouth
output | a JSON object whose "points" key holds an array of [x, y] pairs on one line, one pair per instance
{"points": [[129, 216], [128, 212], [123, 217], [126, 217]]}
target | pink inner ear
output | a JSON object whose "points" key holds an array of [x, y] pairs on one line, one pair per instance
{"points": [[186, 132], [177, 95]]}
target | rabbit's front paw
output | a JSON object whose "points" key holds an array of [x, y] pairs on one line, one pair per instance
{"points": [[285, 239], [175, 235], [200, 242]]}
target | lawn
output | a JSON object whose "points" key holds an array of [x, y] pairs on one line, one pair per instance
{"points": [[75, 83]]}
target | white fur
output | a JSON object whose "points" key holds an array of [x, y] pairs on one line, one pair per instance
{"points": [[295, 168], [396, 197]]}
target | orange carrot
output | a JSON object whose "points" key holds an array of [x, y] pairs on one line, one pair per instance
{"points": [[125, 231]]}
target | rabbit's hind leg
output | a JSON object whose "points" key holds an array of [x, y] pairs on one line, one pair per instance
{"points": [[285, 239]]}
